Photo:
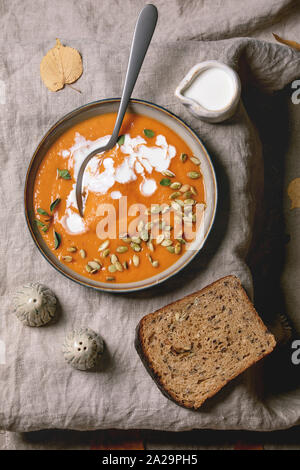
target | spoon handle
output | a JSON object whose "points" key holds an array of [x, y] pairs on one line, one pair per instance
{"points": [[143, 33]]}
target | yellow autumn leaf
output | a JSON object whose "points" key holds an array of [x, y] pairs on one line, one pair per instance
{"points": [[61, 65], [293, 44]]}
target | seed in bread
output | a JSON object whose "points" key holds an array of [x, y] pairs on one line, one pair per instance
{"points": [[196, 345]]}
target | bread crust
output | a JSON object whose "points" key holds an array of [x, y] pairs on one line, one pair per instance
{"points": [[140, 345]]}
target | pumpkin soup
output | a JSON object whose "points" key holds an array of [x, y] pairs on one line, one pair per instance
{"points": [[143, 200]]}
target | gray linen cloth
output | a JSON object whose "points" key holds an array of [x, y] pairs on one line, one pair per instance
{"points": [[37, 388]]}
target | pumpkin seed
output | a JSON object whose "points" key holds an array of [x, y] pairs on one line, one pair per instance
{"points": [[135, 246], [159, 238], [121, 139], [136, 260], [122, 249], [188, 194], [136, 240], [175, 195], [155, 264], [193, 190], [113, 258], [149, 225], [103, 245], [183, 157], [171, 249], [195, 160], [119, 266], [112, 268], [177, 248], [166, 243], [144, 235], [180, 202], [181, 240], [94, 265], [184, 188], [110, 278], [150, 246], [125, 265], [140, 225], [82, 253], [88, 268], [155, 209], [165, 209], [105, 252], [68, 259], [189, 202], [71, 249], [194, 175], [176, 206], [175, 185], [150, 258], [168, 173]]}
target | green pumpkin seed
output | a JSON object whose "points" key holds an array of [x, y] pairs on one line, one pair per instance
{"points": [[195, 160], [168, 173], [137, 240], [125, 265], [112, 268], [176, 206], [150, 258], [68, 259], [88, 268], [150, 246], [82, 253], [181, 240], [110, 278], [194, 175], [155, 264], [135, 246], [175, 185], [94, 265], [103, 245], [121, 139], [188, 194], [136, 260], [122, 249], [140, 226], [193, 190], [183, 157], [113, 258], [171, 249], [184, 188], [119, 266], [159, 238], [177, 248], [155, 209], [105, 252], [175, 195], [180, 202], [166, 243], [189, 202], [71, 249]]}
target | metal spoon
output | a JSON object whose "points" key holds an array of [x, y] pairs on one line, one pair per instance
{"points": [[144, 30]]}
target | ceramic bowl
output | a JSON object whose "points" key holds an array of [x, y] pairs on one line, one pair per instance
{"points": [[139, 107], [195, 108]]}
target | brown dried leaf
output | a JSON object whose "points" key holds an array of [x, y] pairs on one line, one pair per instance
{"points": [[61, 65], [295, 45]]}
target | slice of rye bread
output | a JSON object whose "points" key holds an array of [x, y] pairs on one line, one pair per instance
{"points": [[196, 345]]}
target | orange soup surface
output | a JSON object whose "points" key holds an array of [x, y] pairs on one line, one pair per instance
{"points": [[142, 199]]}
